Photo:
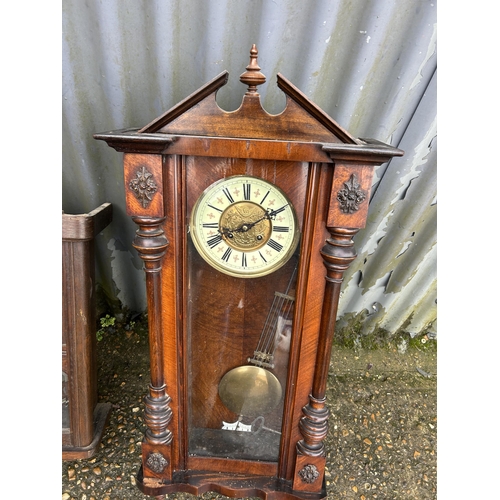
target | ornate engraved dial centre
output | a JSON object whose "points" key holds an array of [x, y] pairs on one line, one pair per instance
{"points": [[245, 226]]}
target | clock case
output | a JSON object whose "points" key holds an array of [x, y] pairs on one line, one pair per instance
{"points": [[328, 174]]}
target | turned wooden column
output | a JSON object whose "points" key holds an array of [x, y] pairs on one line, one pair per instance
{"points": [[338, 253], [151, 244]]}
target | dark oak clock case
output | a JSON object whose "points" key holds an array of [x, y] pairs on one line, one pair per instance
{"points": [[205, 323]]}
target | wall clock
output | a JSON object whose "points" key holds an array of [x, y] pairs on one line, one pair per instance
{"points": [[245, 225]]}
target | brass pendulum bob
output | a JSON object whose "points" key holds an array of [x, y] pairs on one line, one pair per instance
{"points": [[252, 390]]}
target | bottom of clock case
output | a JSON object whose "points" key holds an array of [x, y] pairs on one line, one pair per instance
{"points": [[234, 485]]}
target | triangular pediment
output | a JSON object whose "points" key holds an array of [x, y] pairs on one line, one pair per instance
{"points": [[200, 115]]}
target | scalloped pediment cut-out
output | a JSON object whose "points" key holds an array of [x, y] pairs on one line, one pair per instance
{"points": [[200, 115]]}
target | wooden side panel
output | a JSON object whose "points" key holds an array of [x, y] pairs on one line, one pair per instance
{"points": [[309, 305], [78, 321], [172, 302]]}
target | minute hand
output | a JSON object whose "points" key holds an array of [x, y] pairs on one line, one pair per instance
{"points": [[269, 215]]}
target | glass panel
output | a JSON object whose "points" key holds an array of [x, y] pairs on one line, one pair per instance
{"points": [[239, 340], [239, 328]]}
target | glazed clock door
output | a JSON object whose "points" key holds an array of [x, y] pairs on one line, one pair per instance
{"points": [[243, 248]]}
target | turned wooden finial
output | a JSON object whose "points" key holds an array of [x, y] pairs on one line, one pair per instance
{"points": [[252, 76]]}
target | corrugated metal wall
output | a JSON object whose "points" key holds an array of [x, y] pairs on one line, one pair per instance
{"points": [[371, 65]]}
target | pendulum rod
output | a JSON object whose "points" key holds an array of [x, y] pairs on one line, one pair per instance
{"points": [[281, 307]]}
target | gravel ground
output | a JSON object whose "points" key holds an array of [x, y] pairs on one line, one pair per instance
{"points": [[382, 435]]}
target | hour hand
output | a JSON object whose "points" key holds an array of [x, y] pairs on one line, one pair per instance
{"points": [[246, 226], [226, 231], [268, 215], [243, 228]]}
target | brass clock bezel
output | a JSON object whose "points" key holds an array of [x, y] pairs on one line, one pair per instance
{"points": [[198, 239]]}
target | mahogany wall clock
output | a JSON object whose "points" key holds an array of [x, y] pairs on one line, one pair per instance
{"points": [[245, 224]]}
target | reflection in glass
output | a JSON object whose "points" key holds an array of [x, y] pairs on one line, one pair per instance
{"points": [[238, 360]]}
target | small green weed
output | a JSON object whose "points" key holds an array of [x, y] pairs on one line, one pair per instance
{"points": [[106, 322]]}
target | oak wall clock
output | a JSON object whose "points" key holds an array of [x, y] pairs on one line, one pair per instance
{"points": [[245, 224]]}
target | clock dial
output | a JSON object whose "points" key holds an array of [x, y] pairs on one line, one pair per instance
{"points": [[244, 226]]}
